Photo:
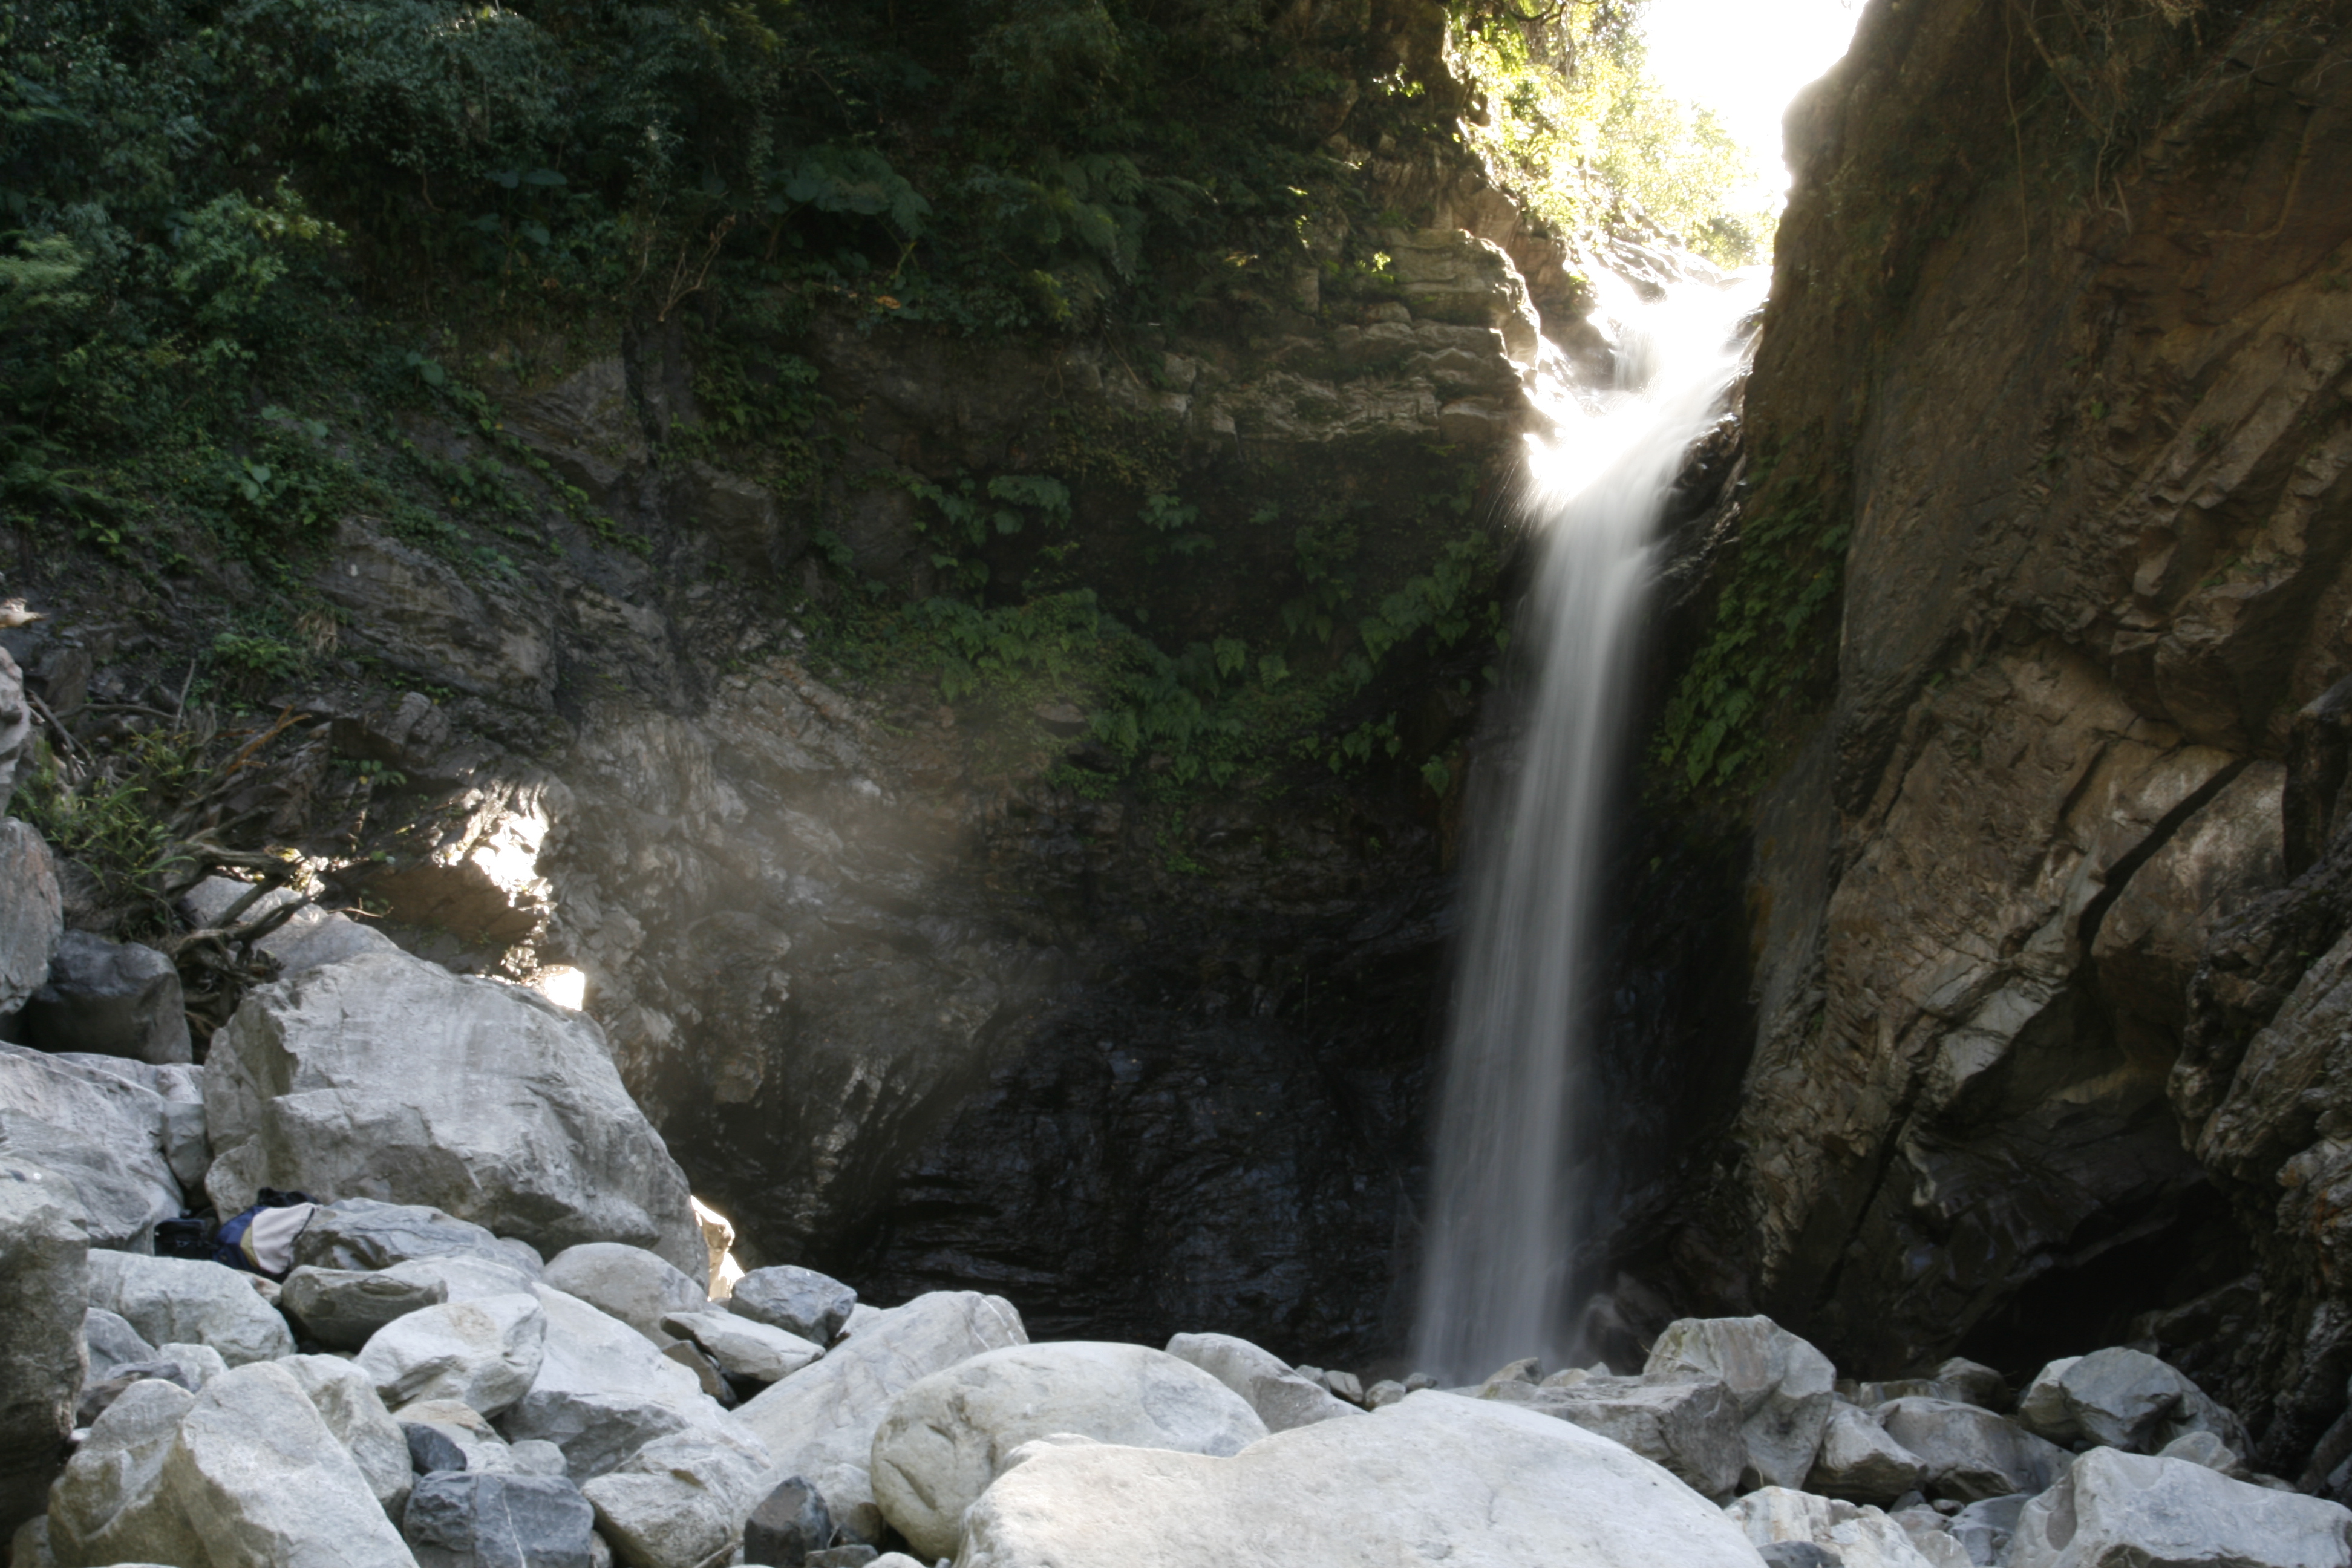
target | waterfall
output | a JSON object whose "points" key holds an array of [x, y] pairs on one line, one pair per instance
{"points": [[1500, 1232]]}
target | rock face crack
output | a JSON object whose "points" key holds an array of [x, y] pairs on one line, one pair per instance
{"points": [[2167, 827]]}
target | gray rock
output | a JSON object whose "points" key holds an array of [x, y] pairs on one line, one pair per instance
{"points": [[459, 1426], [680, 1502], [347, 1401], [263, 1479], [468, 1521], [602, 1392], [30, 1547], [1434, 1478], [1783, 1385], [1859, 1462], [111, 1340], [820, 1422], [1796, 1555], [627, 1282], [753, 1351], [112, 1504], [1346, 1385], [193, 1366], [2114, 1509], [536, 1456], [415, 611], [1971, 1454], [1973, 1383], [43, 1283], [1689, 1427], [483, 1353], [2123, 1398], [844, 1557], [1983, 1528], [431, 1450], [32, 909], [1853, 1535], [944, 1439], [2206, 1448], [798, 1300], [113, 999], [387, 1077], [1282, 1397], [1382, 1395], [363, 1234], [341, 1307], [100, 1132], [181, 1087], [705, 1371], [179, 1298], [310, 938], [790, 1522]]}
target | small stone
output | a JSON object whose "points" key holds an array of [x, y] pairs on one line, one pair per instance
{"points": [[2207, 1450], [840, 1557], [1382, 1395], [342, 1308], [113, 1343], [1283, 1397], [1528, 1370], [484, 1353], [465, 1521], [535, 1456], [790, 1522], [431, 1450], [1346, 1384], [798, 1300], [1418, 1381]]}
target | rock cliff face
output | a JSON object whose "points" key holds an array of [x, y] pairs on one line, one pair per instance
{"points": [[2060, 327]]}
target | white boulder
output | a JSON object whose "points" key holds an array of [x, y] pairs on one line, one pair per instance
{"points": [[946, 1438], [387, 1077], [1856, 1535], [263, 1479], [626, 1282], [342, 1308], [753, 1351], [2114, 1509], [602, 1392], [1971, 1454], [112, 1504], [1859, 1462], [2122, 1398], [98, 1129], [181, 1299], [1690, 1426], [1434, 1478], [361, 1233], [1783, 1385], [820, 1422], [1281, 1396], [346, 1400], [680, 1502], [483, 1353]]}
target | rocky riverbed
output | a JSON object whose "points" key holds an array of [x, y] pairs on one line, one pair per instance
{"points": [[479, 1318]]}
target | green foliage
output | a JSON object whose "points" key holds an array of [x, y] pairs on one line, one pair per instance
{"points": [[1772, 638], [1576, 120]]}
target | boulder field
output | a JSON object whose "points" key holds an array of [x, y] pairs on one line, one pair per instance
{"points": [[500, 1337]]}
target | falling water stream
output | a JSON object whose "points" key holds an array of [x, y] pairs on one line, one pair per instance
{"points": [[1500, 1233]]}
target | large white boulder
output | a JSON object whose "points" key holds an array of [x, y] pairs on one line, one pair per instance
{"points": [[601, 1392], [680, 1502], [1431, 1479], [947, 1436], [184, 1300], [360, 1233], [1971, 1454], [628, 1283], [820, 1422], [44, 1291], [1783, 1383], [2114, 1509], [1858, 1536], [264, 1481], [387, 1077], [99, 1130], [346, 1400], [484, 1354], [112, 1504], [1282, 1398], [2125, 1399]]}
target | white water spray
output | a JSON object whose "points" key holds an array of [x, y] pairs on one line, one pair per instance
{"points": [[1500, 1233]]}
